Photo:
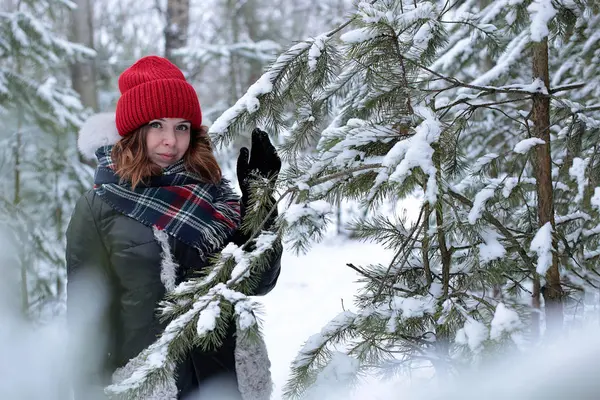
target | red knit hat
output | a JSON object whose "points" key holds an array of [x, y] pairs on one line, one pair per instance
{"points": [[154, 88]]}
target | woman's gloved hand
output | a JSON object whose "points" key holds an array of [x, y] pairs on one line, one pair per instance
{"points": [[261, 162]]}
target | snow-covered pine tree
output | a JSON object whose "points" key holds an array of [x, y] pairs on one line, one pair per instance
{"points": [[41, 174], [387, 141], [571, 87], [390, 120], [436, 98]]}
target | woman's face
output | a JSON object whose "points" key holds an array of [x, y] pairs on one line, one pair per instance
{"points": [[167, 140]]}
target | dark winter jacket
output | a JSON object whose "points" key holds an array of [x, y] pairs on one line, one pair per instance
{"points": [[114, 287]]}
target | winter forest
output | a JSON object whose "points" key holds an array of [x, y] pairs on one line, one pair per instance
{"points": [[439, 199]]}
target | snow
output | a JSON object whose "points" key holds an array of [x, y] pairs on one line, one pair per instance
{"points": [[479, 203], [315, 211], [19, 35], [589, 232], [243, 260], [537, 86], [511, 17], [559, 219], [207, 320], [542, 245], [242, 267], [505, 321], [334, 382], [591, 41], [315, 51], [483, 161], [413, 307], [414, 152], [313, 289], [449, 57], [320, 339], [358, 35], [577, 171], [527, 144], [423, 36], [244, 310], [541, 13], [512, 54], [343, 153], [491, 249], [595, 201], [264, 242], [472, 334], [493, 10]]}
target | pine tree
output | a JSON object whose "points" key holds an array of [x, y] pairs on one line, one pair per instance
{"points": [[435, 98], [41, 173], [570, 43]]}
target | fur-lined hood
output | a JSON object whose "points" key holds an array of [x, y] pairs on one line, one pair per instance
{"points": [[97, 131]]}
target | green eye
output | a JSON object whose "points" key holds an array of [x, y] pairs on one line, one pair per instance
{"points": [[154, 125], [182, 127]]}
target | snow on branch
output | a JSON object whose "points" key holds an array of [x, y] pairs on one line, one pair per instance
{"points": [[244, 260], [316, 50], [374, 13], [542, 245], [249, 103], [157, 360], [262, 49], [525, 145], [203, 306], [479, 202], [513, 53], [491, 249], [306, 223], [483, 161], [318, 341], [505, 321], [596, 199], [339, 145], [413, 152], [561, 219], [577, 171], [472, 334], [541, 13]]}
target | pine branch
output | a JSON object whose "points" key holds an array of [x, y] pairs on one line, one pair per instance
{"points": [[409, 238], [458, 83], [563, 88], [507, 234]]}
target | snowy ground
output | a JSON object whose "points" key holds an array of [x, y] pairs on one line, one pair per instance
{"points": [[310, 291]]}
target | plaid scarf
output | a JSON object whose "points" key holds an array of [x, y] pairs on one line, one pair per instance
{"points": [[203, 215]]}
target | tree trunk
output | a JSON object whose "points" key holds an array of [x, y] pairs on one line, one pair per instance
{"points": [[16, 201], [249, 11], [234, 91], [83, 72], [176, 30], [552, 291]]}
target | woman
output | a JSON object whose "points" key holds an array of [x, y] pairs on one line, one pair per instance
{"points": [[158, 209]]}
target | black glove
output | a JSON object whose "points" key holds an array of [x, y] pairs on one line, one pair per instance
{"points": [[264, 163]]}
